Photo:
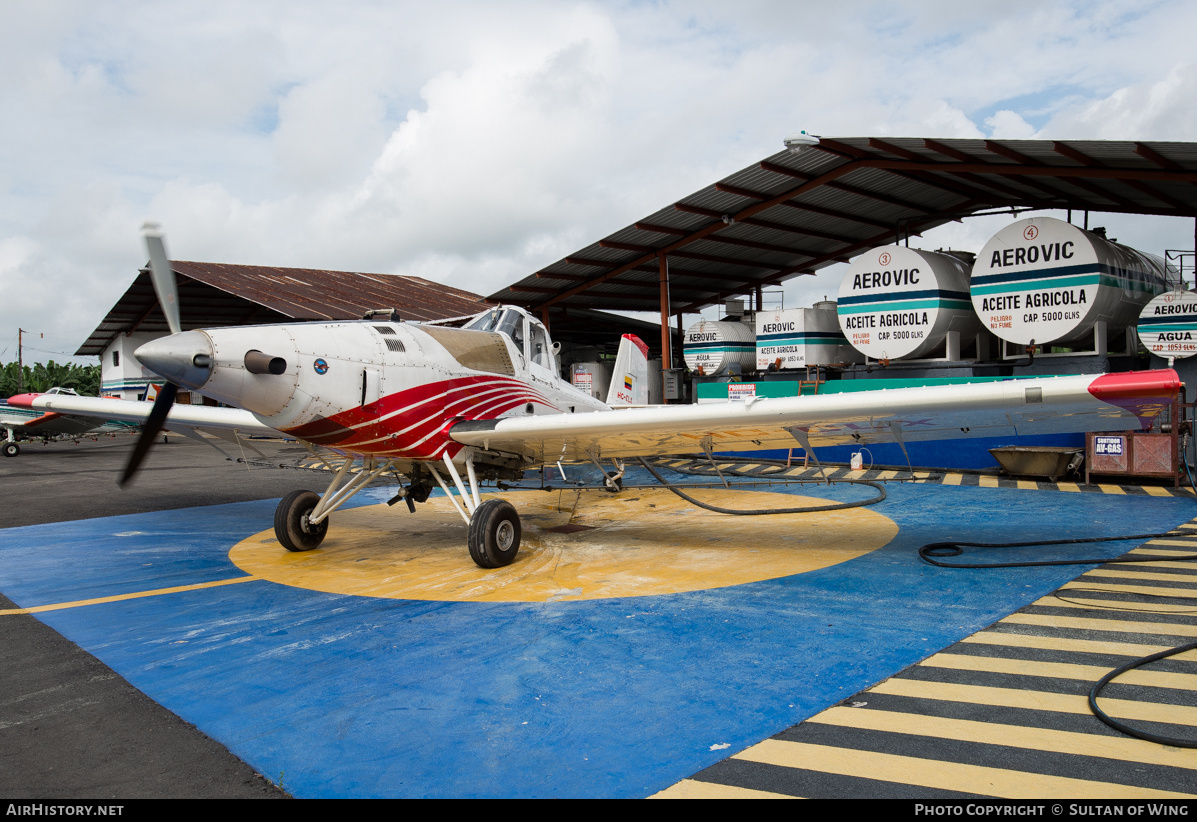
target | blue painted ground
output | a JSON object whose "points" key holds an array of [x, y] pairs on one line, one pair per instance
{"points": [[345, 696]]}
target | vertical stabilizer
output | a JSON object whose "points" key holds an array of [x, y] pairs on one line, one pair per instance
{"points": [[629, 382]]}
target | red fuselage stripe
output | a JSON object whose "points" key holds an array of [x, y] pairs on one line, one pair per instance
{"points": [[414, 424]]}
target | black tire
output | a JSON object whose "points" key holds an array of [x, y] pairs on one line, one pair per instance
{"points": [[291, 522], [494, 536], [11, 449], [613, 486]]}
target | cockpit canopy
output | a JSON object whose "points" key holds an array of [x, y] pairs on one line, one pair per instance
{"points": [[529, 336]]}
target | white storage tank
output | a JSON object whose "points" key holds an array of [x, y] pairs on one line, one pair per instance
{"points": [[655, 397], [592, 377], [1047, 281], [802, 336], [1168, 324], [712, 345], [897, 302]]}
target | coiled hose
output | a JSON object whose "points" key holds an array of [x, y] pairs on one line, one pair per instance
{"points": [[955, 548], [766, 511]]}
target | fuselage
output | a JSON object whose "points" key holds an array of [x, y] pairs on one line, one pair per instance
{"points": [[375, 388]]}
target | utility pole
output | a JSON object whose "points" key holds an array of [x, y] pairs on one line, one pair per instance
{"points": [[20, 364]]}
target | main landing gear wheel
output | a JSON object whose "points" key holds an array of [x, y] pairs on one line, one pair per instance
{"points": [[291, 524], [11, 449], [494, 536]]}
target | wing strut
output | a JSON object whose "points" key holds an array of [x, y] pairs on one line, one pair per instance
{"points": [[897, 431], [707, 447], [612, 482], [804, 441]]}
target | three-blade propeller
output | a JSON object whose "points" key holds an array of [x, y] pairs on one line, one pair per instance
{"points": [[163, 277]]}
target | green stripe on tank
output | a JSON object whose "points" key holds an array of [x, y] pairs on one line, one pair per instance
{"points": [[1064, 282], [1160, 329], [902, 306], [838, 340]]}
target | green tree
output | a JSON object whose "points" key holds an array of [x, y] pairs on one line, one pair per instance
{"points": [[42, 376]]}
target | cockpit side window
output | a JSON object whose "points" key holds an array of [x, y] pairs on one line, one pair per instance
{"points": [[541, 355], [512, 324]]}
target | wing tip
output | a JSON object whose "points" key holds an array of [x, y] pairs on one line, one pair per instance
{"points": [[1143, 393], [22, 400]]}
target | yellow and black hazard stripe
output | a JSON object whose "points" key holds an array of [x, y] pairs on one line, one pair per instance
{"points": [[1004, 713], [800, 473]]}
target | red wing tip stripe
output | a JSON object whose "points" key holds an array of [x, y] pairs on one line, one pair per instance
{"points": [[1143, 393], [1161, 384], [23, 400]]}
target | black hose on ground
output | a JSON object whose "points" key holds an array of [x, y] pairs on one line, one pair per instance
{"points": [[951, 549], [766, 511], [956, 548], [1127, 729]]}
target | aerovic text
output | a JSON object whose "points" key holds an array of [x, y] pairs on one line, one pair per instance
{"points": [[1048, 253], [885, 279]]}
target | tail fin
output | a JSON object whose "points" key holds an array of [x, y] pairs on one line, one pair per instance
{"points": [[629, 381]]}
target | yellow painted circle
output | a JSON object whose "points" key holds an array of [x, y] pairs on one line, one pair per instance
{"points": [[637, 543]]}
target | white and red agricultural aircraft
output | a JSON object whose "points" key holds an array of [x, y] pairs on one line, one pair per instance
{"points": [[431, 404], [21, 423]]}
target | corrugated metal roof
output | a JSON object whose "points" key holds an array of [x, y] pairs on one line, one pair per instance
{"points": [[215, 294], [792, 214]]}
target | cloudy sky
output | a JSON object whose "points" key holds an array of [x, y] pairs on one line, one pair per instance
{"points": [[472, 143]]}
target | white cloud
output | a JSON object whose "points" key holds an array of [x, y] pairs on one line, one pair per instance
{"points": [[1008, 125], [471, 143], [1159, 110]]}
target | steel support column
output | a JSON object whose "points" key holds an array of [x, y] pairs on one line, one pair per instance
{"points": [[681, 338], [666, 353]]}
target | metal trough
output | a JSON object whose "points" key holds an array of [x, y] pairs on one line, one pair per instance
{"points": [[1030, 461]]}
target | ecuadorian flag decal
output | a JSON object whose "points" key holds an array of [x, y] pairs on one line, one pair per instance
{"points": [[628, 381]]}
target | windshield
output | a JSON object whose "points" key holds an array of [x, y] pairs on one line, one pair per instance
{"points": [[485, 322], [506, 321]]}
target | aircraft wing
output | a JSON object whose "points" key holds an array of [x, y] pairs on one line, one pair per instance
{"points": [[1110, 402], [47, 424], [181, 417]]}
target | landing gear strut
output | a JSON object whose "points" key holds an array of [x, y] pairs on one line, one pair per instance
{"points": [[301, 519], [494, 526]]}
